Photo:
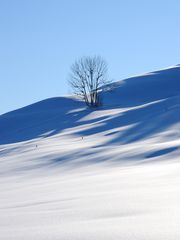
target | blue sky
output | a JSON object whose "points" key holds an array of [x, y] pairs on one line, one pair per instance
{"points": [[40, 39]]}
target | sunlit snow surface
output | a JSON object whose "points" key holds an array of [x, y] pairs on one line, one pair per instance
{"points": [[69, 173]]}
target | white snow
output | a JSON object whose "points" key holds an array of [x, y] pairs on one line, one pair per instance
{"points": [[70, 173]]}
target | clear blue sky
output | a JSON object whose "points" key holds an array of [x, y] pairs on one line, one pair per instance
{"points": [[40, 39]]}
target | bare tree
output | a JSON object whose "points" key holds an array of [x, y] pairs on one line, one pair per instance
{"points": [[88, 75]]}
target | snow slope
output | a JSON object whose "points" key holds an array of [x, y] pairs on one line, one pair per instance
{"points": [[67, 172]]}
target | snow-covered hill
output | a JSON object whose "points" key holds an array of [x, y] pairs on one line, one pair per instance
{"points": [[68, 172], [146, 88]]}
